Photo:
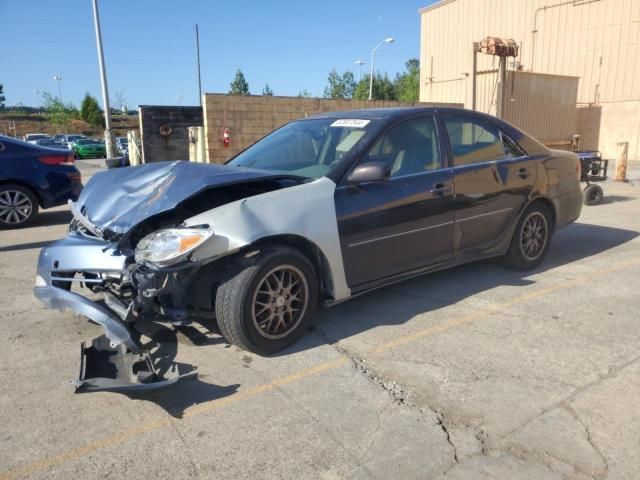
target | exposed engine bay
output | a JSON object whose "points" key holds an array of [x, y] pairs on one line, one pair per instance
{"points": [[113, 266]]}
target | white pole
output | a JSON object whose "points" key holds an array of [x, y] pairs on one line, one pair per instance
{"points": [[198, 63], [373, 58], [108, 138]]}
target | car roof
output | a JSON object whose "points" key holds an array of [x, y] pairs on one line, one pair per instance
{"points": [[392, 113]]}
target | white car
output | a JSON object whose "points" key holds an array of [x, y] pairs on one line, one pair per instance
{"points": [[32, 137]]}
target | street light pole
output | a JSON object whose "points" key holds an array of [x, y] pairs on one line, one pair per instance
{"points": [[58, 78], [360, 62], [37, 94], [373, 59], [108, 137]]}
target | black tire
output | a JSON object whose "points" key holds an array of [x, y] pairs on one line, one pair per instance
{"points": [[18, 206], [240, 314], [531, 238], [593, 195]]}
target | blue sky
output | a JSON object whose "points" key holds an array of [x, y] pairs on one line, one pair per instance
{"points": [[150, 52]]}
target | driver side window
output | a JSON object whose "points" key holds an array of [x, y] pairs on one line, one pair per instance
{"points": [[408, 148]]}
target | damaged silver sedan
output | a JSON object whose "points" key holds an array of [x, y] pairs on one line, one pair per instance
{"points": [[320, 210]]}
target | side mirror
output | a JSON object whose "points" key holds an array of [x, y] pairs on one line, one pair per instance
{"points": [[369, 172]]}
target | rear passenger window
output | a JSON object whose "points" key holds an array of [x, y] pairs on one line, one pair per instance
{"points": [[473, 140]]}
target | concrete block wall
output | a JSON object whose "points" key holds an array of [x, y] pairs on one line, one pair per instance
{"points": [[159, 148], [252, 117]]}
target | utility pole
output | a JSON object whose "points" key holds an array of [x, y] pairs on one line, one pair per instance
{"points": [[198, 64], [37, 94], [360, 63], [108, 136]]}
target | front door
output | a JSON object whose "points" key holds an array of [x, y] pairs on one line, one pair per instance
{"points": [[493, 180], [406, 222]]}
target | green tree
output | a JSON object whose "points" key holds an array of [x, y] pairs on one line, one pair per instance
{"points": [[266, 91], [407, 84], [2, 97], [304, 94], [239, 86], [340, 86], [90, 111], [58, 113], [383, 88]]}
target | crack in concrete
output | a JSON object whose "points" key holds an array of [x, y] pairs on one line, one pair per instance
{"points": [[612, 372], [400, 395], [569, 408]]}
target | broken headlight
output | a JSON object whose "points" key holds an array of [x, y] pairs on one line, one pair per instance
{"points": [[166, 247]]}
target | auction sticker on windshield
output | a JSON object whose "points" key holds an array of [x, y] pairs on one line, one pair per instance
{"points": [[350, 122]]}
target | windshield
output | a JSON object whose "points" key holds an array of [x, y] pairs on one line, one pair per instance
{"points": [[309, 148]]}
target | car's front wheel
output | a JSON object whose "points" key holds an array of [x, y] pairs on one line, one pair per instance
{"points": [[531, 238], [18, 206], [265, 305]]}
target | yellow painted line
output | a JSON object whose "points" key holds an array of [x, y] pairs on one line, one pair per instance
{"points": [[147, 427], [79, 452]]}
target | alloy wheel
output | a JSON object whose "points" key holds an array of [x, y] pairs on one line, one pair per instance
{"points": [[533, 236], [15, 207], [280, 301]]}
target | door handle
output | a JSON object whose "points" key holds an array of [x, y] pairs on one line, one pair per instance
{"points": [[522, 173], [440, 188]]}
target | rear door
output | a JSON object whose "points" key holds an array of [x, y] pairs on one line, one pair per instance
{"points": [[493, 180], [402, 224]]}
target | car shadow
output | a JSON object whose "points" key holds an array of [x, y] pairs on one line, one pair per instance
{"points": [[188, 391], [398, 303]]}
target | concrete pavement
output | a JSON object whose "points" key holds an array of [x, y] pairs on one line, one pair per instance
{"points": [[473, 373]]}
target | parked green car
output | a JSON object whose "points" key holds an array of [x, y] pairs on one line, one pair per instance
{"points": [[88, 148]]}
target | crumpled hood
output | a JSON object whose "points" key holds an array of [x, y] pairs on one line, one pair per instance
{"points": [[117, 200]]}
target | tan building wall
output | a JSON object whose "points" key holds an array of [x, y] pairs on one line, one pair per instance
{"points": [[596, 40], [251, 117]]}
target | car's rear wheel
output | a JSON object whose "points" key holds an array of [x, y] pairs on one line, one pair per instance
{"points": [[18, 206], [531, 239], [265, 306]]}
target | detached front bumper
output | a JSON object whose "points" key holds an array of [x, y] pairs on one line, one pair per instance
{"points": [[116, 361], [61, 260]]}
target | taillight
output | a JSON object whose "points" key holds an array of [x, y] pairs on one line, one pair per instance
{"points": [[57, 159]]}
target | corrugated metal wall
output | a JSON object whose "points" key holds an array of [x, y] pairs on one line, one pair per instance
{"points": [[542, 105], [597, 40]]}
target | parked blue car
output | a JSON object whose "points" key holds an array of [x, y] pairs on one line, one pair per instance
{"points": [[34, 177]]}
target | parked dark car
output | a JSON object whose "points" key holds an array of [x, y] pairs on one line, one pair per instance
{"points": [[51, 143], [33, 177], [69, 140], [31, 137], [320, 210]]}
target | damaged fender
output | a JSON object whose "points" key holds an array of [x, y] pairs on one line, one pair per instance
{"points": [[305, 210]]}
